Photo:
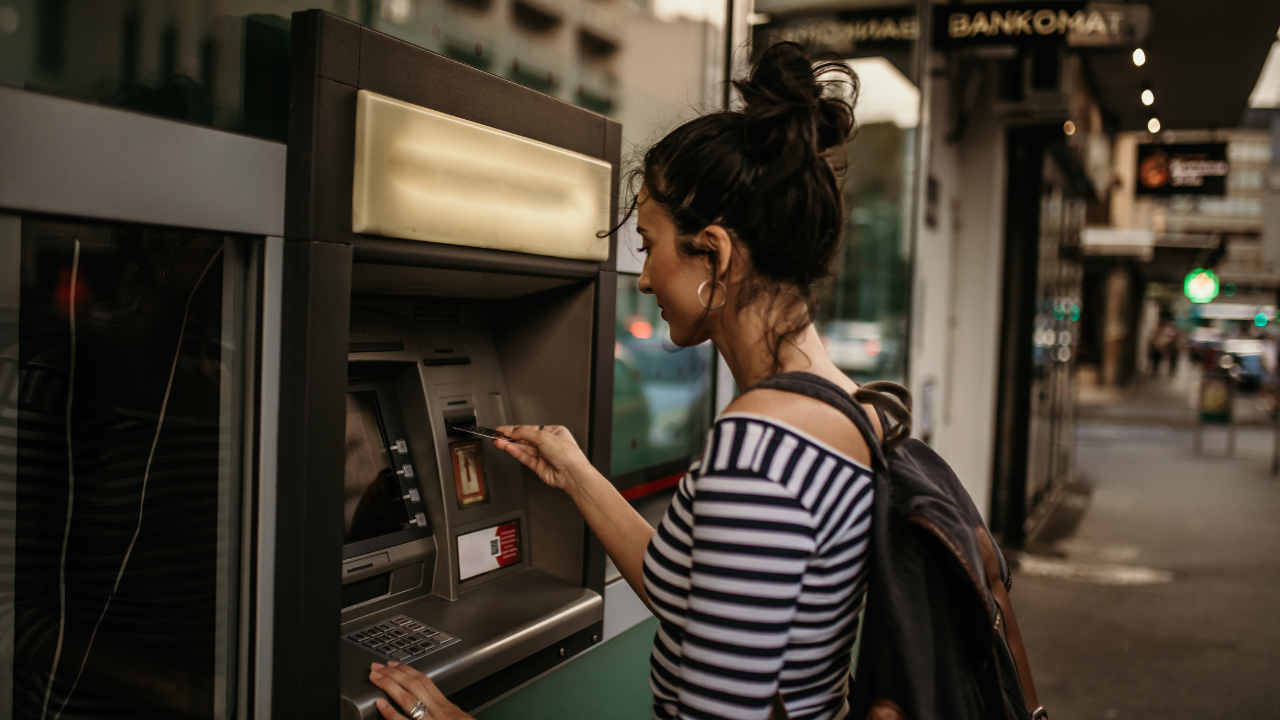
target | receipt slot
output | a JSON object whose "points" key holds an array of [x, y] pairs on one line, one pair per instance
{"points": [[444, 264]]}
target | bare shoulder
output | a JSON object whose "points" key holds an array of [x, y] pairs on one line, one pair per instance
{"points": [[816, 418]]}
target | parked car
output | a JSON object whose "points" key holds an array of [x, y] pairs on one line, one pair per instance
{"points": [[858, 346], [1246, 367]]}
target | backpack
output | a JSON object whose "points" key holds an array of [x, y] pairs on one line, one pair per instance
{"points": [[932, 641]]}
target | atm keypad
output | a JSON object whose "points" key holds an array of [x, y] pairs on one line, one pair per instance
{"points": [[401, 638]]}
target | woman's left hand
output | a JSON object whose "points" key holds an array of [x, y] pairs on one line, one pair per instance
{"points": [[408, 687]]}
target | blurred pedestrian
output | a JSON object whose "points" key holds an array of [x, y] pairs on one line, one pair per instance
{"points": [[1163, 343]]}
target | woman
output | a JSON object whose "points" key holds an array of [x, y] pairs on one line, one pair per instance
{"points": [[756, 571]]}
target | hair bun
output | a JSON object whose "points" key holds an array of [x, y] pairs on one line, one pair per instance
{"points": [[791, 104]]}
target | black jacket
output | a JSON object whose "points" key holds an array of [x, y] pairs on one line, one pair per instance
{"points": [[933, 640]]}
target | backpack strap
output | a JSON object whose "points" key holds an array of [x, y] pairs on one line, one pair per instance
{"points": [[898, 407], [874, 394]]}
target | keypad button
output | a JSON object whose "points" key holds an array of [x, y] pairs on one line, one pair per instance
{"points": [[402, 620], [400, 655], [358, 636], [427, 632], [383, 627]]}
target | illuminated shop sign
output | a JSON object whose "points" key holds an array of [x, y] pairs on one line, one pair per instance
{"points": [[1078, 24], [1182, 169], [846, 33]]}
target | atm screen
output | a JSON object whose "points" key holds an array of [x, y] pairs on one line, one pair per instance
{"points": [[373, 504]]}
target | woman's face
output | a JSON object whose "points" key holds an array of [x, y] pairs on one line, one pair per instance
{"points": [[673, 277]]}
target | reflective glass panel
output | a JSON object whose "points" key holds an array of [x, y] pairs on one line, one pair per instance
{"points": [[661, 393], [122, 389], [642, 62], [864, 311]]}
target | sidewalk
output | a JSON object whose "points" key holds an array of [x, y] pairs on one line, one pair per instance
{"points": [[1166, 601], [1158, 401]]}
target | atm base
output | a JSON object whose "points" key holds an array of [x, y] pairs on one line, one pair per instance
{"points": [[473, 697], [498, 625]]}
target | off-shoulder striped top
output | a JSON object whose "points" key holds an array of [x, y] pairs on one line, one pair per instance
{"points": [[756, 574]]}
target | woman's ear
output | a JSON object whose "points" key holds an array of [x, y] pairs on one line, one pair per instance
{"points": [[718, 239]]}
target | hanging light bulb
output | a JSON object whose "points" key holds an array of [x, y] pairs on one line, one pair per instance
{"points": [[1153, 125], [1148, 97], [1069, 127], [1139, 57]]}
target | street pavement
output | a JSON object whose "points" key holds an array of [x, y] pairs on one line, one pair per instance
{"points": [[1165, 603]]}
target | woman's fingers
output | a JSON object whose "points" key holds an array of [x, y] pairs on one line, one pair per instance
{"points": [[416, 688], [413, 681], [526, 433], [526, 455], [448, 709], [388, 711], [434, 692], [389, 682]]}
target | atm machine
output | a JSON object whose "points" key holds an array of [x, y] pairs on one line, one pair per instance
{"points": [[446, 262]]}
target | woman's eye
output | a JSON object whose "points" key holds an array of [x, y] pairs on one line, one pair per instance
{"points": [[643, 249]]}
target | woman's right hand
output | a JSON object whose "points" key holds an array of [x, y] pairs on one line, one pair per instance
{"points": [[548, 450]]}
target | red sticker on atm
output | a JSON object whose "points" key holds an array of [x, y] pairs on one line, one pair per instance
{"points": [[487, 550]]}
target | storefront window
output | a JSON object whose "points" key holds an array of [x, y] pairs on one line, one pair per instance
{"points": [[642, 62], [122, 431]]}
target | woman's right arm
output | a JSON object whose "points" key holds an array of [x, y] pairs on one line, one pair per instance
{"points": [[554, 456]]}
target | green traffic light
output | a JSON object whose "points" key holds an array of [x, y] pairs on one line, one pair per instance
{"points": [[1200, 285], [1260, 319]]}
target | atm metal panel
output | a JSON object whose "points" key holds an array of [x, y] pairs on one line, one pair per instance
{"points": [[541, 338]]}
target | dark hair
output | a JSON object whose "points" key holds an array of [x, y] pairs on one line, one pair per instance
{"points": [[767, 175]]}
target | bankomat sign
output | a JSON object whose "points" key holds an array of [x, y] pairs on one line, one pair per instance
{"points": [[1078, 24]]}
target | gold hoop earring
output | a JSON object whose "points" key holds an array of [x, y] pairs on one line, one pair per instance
{"points": [[722, 301]]}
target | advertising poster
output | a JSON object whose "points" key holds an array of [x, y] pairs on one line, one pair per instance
{"points": [[1215, 399]]}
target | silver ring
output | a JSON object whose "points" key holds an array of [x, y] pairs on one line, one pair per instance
{"points": [[418, 711]]}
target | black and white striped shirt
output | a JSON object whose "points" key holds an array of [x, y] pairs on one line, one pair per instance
{"points": [[756, 573]]}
